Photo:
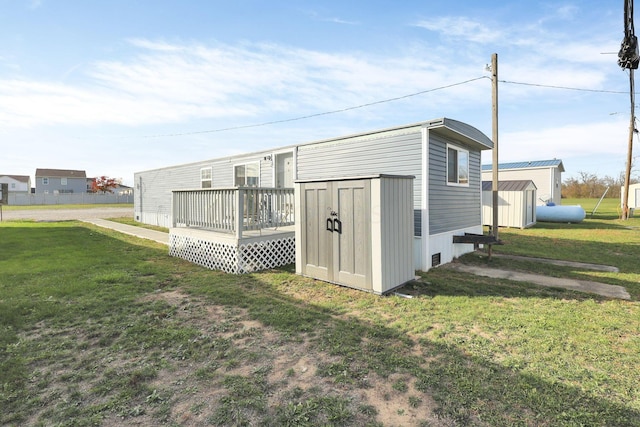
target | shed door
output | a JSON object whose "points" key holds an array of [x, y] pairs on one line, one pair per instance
{"points": [[316, 240], [352, 233], [531, 206]]}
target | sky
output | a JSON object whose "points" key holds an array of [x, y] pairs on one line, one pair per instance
{"points": [[120, 86]]}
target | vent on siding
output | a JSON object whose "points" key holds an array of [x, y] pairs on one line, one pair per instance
{"points": [[435, 259]]}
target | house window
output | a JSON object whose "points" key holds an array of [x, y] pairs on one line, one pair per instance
{"points": [[457, 166], [206, 178], [247, 175], [13, 185], [63, 181], [45, 181]]}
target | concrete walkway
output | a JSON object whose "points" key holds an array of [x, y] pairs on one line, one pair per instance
{"points": [[132, 230], [611, 291]]}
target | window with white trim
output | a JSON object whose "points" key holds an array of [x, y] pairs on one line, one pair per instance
{"points": [[63, 181], [457, 166], [206, 178], [45, 181], [247, 175]]}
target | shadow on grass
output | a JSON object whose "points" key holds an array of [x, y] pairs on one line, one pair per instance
{"points": [[467, 389]]}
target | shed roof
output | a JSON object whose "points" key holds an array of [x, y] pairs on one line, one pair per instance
{"points": [[512, 185], [532, 164], [60, 173], [19, 178]]}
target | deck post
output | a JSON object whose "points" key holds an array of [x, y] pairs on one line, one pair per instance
{"points": [[239, 212]]}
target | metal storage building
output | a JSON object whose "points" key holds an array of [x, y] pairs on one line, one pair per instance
{"points": [[634, 196], [545, 174], [516, 203], [443, 155]]}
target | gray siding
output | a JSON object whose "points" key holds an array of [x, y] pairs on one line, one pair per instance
{"points": [[452, 207], [153, 188], [385, 153], [74, 185]]}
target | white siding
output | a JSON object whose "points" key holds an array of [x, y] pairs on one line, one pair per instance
{"points": [[548, 181]]}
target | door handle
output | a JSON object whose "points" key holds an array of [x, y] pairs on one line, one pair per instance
{"points": [[330, 225], [337, 226]]}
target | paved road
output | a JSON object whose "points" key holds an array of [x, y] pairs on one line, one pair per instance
{"points": [[66, 214]]}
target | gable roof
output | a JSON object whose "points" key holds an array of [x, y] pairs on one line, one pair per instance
{"points": [[19, 178], [533, 164], [60, 173], [511, 185]]}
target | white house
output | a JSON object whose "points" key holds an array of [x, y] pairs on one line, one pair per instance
{"points": [[232, 208], [17, 183], [545, 174]]}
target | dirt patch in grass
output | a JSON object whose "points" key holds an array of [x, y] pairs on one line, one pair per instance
{"points": [[289, 367]]}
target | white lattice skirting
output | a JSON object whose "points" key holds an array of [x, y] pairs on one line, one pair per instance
{"points": [[232, 257]]}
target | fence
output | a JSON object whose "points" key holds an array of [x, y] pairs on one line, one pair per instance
{"points": [[21, 199]]}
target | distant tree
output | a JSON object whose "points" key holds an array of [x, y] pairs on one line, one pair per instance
{"points": [[104, 184], [588, 185]]}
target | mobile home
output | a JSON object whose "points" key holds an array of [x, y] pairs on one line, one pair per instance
{"points": [[442, 154]]}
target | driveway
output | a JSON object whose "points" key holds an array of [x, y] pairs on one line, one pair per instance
{"points": [[66, 214]]}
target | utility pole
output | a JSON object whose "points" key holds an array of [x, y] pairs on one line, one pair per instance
{"points": [[494, 109], [628, 58]]}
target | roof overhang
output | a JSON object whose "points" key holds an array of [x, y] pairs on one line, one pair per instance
{"points": [[462, 132]]}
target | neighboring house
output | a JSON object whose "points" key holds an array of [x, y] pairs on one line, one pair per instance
{"points": [[516, 203], [60, 181], [443, 155], [17, 183], [545, 174]]}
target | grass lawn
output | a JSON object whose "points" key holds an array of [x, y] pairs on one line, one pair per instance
{"points": [[99, 328]]}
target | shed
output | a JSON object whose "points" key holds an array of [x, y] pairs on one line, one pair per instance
{"points": [[545, 174], [516, 203], [634, 196]]}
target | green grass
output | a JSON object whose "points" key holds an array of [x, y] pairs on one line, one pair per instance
{"points": [[98, 328]]}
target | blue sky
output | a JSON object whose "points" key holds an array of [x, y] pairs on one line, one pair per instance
{"points": [[119, 86]]}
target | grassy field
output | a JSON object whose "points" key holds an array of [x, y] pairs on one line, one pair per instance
{"points": [[99, 328]]}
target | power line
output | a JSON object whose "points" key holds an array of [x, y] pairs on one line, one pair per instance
{"points": [[384, 101], [293, 119], [563, 87]]}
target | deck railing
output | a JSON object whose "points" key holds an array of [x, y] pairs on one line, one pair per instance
{"points": [[233, 210]]}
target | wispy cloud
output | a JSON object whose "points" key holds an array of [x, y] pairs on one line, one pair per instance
{"points": [[35, 4], [460, 27], [168, 82]]}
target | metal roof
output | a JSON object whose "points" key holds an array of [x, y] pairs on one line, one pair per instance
{"points": [[514, 185], [533, 164]]}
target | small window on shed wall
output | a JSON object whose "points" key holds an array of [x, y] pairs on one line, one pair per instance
{"points": [[206, 176], [457, 166]]}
